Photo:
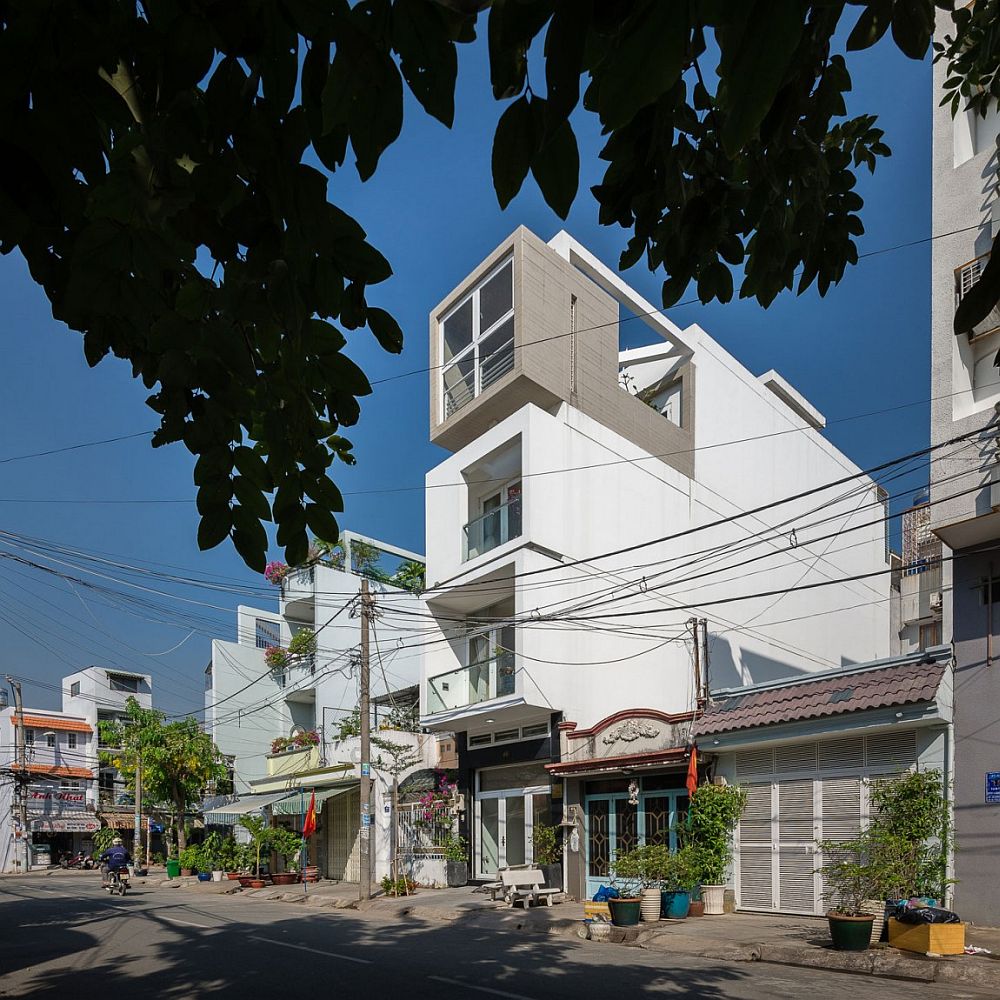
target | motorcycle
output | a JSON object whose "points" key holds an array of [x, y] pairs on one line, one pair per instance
{"points": [[118, 881], [79, 860]]}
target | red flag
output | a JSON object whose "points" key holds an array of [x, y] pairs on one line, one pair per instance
{"points": [[309, 827], [692, 775]]}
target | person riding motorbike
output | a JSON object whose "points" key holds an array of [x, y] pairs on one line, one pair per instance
{"points": [[113, 859]]}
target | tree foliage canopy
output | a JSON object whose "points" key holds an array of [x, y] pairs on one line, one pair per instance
{"points": [[154, 175]]}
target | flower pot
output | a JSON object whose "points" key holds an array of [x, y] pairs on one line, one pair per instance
{"points": [[675, 903], [599, 930], [233, 876], [245, 880], [713, 896], [553, 875], [850, 933], [650, 906], [257, 883], [697, 908], [173, 869], [285, 878], [458, 873], [625, 912], [187, 871], [876, 907], [217, 876]]}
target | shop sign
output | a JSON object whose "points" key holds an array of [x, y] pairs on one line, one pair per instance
{"points": [[993, 788], [51, 824], [71, 798]]}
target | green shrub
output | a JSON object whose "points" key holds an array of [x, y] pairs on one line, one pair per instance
{"points": [[546, 845]]}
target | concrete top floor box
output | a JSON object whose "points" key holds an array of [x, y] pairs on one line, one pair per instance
{"points": [[567, 446]]}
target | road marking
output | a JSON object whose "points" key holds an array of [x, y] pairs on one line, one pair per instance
{"points": [[187, 923], [479, 989], [315, 951]]}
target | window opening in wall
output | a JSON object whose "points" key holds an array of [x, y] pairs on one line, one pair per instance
{"points": [[930, 635], [989, 591], [121, 682], [71, 740], [477, 339], [29, 737], [74, 689], [50, 740], [667, 401]]}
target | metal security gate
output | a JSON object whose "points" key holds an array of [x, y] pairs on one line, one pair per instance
{"points": [[344, 843], [798, 795]]}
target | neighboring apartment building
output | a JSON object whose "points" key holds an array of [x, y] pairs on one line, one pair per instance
{"points": [[289, 729], [965, 491], [100, 694], [61, 790], [918, 600], [570, 676]]}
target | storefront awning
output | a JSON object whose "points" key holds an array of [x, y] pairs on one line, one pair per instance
{"points": [[297, 803], [229, 814], [64, 824]]}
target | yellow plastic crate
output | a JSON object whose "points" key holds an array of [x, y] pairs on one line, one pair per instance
{"points": [[941, 939], [596, 911]]}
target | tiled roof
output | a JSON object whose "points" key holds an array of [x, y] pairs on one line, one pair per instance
{"points": [[53, 722], [55, 770], [833, 694]]}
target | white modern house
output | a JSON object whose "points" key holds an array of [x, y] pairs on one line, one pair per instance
{"points": [[591, 541], [292, 729], [60, 786]]}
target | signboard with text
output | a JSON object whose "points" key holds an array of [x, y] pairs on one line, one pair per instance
{"points": [[993, 788]]}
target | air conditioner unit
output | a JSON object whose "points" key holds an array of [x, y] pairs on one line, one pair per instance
{"points": [[937, 600]]}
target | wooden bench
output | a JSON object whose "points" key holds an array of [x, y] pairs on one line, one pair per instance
{"points": [[526, 885]]}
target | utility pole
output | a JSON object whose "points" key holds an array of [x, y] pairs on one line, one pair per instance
{"points": [[21, 758], [365, 888], [706, 688], [692, 623], [137, 832]]}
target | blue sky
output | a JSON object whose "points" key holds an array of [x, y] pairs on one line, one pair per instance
{"points": [[431, 210]]}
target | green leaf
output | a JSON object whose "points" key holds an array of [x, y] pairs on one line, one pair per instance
{"points": [[251, 498], [214, 528], [556, 168], [421, 36], [250, 550], [645, 61], [297, 549], [325, 493], [321, 522], [252, 467], [386, 330], [871, 25], [912, 26], [514, 146], [754, 60]]}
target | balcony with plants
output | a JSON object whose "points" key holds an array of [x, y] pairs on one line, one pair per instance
{"points": [[294, 754]]}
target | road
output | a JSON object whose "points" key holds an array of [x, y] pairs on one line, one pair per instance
{"points": [[62, 937]]}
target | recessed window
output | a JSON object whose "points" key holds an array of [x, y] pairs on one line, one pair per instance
{"points": [[29, 737], [74, 689], [528, 732], [50, 740], [122, 682], [506, 735], [71, 740], [477, 339], [482, 740]]}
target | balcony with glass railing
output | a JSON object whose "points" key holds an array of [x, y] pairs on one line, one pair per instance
{"points": [[496, 527], [478, 682], [297, 589]]}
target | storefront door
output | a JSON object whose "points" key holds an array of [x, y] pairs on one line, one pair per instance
{"points": [[507, 809], [616, 825]]}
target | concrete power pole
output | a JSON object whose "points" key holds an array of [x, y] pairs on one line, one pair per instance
{"points": [[21, 757], [365, 888], [137, 832]]}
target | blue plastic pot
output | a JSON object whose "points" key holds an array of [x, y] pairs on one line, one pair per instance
{"points": [[675, 905], [204, 876]]}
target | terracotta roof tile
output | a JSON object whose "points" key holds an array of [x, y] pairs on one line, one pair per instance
{"points": [[881, 687]]}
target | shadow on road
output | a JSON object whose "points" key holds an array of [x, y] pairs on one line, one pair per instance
{"points": [[92, 952]]}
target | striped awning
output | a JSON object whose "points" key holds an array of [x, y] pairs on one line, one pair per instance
{"points": [[297, 804], [229, 814]]}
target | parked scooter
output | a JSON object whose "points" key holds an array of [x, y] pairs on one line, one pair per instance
{"points": [[118, 881], [79, 860]]}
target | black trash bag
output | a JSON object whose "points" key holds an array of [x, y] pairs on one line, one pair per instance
{"points": [[928, 915]]}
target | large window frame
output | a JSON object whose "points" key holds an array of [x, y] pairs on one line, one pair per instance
{"points": [[480, 379]]}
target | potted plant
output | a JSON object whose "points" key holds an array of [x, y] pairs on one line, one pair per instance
{"points": [[190, 859], [713, 814], [646, 866], [857, 871], [303, 643], [275, 572], [286, 844], [628, 882], [276, 657], [547, 855], [697, 907], [676, 883], [456, 855], [260, 839]]}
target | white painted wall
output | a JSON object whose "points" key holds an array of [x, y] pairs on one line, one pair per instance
{"points": [[617, 496]]}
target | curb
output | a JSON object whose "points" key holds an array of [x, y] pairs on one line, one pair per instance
{"points": [[885, 963]]}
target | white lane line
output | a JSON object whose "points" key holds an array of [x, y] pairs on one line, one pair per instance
{"points": [[315, 951], [479, 989]]}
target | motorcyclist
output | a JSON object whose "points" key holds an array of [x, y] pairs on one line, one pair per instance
{"points": [[113, 859]]}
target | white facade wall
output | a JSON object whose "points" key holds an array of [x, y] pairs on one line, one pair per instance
{"points": [[614, 496]]}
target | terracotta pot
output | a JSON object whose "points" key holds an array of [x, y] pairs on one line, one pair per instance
{"points": [[697, 908], [257, 883], [187, 871], [245, 880], [233, 876], [285, 878]]}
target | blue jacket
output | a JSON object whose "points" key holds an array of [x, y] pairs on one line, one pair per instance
{"points": [[116, 857]]}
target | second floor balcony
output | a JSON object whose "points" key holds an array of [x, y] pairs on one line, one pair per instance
{"points": [[481, 681], [494, 528]]}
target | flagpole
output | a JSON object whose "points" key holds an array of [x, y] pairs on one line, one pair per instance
{"points": [[303, 854]]}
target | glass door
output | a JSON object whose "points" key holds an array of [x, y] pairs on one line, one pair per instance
{"points": [[507, 809]]}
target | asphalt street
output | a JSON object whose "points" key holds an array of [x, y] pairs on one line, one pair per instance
{"points": [[61, 936]]}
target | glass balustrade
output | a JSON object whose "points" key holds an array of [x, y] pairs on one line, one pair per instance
{"points": [[482, 681], [494, 528]]}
